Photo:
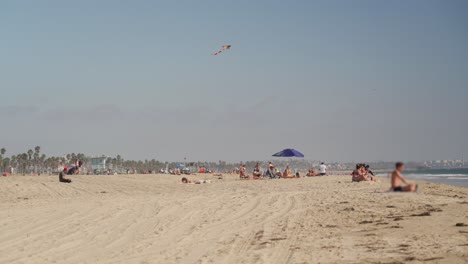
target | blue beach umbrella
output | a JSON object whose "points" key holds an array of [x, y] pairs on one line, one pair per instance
{"points": [[289, 153]]}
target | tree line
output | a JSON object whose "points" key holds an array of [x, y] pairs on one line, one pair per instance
{"points": [[33, 161]]}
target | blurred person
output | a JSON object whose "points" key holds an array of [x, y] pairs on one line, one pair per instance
{"points": [[397, 179]]}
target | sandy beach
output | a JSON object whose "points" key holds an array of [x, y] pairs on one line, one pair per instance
{"points": [[155, 219]]}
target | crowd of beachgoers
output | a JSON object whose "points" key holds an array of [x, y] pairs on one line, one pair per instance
{"points": [[361, 173], [273, 172]]}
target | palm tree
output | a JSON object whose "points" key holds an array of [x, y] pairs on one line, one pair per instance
{"points": [[23, 160], [13, 161], [81, 156], [41, 161], [30, 153], [6, 163], [37, 151], [30, 156]]}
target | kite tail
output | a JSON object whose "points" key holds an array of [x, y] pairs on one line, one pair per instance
{"points": [[218, 52]]}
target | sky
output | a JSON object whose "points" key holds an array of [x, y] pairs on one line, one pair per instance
{"points": [[336, 80]]}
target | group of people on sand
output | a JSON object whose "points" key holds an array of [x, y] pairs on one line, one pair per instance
{"points": [[257, 173], [362, 173], [274, 173], [322, 171], [70, 170]]}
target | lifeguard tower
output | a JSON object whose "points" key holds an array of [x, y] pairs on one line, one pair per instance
{"points": [[99, 164]]}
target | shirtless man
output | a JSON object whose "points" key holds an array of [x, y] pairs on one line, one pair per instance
{"points": [[397, 179]]}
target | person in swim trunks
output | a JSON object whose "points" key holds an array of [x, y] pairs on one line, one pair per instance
{"points": [[397, 179]]}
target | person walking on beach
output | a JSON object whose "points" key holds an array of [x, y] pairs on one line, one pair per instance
{"points": [[323, 169], [397, 179]]}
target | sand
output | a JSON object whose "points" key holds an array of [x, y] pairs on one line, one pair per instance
{"points": [[155, 219]]}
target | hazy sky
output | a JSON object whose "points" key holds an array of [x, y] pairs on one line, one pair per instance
{"points": [[337, 80]]}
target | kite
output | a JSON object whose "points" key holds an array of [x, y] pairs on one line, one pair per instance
{"points": [[225, 47]]}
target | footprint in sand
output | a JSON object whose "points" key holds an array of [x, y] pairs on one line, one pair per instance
{"points": [[382, 223], [422, 214]]}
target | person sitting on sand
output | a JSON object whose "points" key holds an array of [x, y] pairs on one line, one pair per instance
{"points": [[311, 172], [277, 172], [397, 179], [74, 169], [356, 174], [287, 173], [242, 174], [256, 172], [269, 173]]}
